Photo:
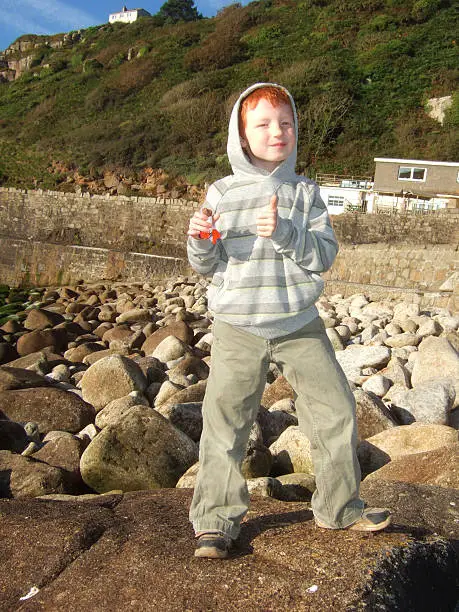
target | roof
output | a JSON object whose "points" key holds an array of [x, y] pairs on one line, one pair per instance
{"points": [[415, 161]]}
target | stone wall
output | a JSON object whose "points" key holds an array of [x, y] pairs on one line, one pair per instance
{"points": [[54, 238], [149, 225], [26, 262]]}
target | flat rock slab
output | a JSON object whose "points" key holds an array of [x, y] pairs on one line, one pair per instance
{"points": [[135, 551]]}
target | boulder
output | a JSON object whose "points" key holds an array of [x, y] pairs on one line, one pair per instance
{"points": [[355, 358], [50, 408], [19, 378], [25, 477], [142, 451], [264, 486], [193, 393], [372, 414], [64, 453], [438, 467], [377, 384], [38, 339], [151, 367], [191, 365], [296, 487], [7, 353], [116, 409], [278, 390], [111, 378], [401, 340], [257, 461], [179, 329], [12, 436], [39, 318], [397, 442], [186, 416], [78, 353], [436, 359], [41, 361], [170, 348], [429, 402], [188, 480], [274, 422], [291, 453]]}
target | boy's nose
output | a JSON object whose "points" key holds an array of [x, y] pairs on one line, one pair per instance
{"points": [[276, 129]]}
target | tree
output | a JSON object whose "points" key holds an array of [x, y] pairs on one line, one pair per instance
{"points": [[320, 122], [173, 11]]}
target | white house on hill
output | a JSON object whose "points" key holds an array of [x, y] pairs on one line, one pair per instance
{"points": [[127, 15]]}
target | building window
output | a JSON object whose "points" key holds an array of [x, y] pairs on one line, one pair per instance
{"points": [[411, 173], [334, 200]]}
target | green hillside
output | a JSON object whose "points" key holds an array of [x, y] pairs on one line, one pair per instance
{"points": [[151, 95]]}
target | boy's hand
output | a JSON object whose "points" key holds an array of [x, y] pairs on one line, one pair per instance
{"points": [[201, 221], [267, 219]]}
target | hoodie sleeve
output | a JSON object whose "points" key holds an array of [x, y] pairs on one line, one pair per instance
{"points": [[204, 256], [311, 243]]}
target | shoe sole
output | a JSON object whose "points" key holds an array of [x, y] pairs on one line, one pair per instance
{"points": [[362, 528], [209, 552]]}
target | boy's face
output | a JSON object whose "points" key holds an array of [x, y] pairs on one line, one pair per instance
{"points": [[269, 134]]}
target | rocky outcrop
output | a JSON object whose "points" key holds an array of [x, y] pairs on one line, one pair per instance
{"points": [[137, 549]]}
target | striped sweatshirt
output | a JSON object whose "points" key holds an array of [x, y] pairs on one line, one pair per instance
{"points": [[267, 286]]}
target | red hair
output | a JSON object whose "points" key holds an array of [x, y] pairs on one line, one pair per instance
{"points": [[276, 96]]}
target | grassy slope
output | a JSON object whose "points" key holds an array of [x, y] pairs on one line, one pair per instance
{"points": [[361, 72]]}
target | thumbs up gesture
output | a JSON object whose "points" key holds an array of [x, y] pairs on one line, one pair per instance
{"points": [[267, 219]]}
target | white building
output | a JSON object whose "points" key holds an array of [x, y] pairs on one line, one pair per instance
{"points": [[343, 194], [127, 15]]}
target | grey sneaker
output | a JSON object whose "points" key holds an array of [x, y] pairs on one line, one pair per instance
{"points": [[372, 519], [212, 546]]}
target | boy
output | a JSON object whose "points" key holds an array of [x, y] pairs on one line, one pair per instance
{"points": [[275, 239]]}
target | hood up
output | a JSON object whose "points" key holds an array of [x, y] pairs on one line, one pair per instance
{"points": [[240, 163]]}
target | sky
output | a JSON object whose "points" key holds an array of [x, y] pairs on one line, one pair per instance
{"points": [[18, 17]]}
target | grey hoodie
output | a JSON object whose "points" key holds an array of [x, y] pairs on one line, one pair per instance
{"points": [[267, 286]]}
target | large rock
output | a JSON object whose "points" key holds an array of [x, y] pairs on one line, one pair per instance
{"points": [[38, 318], [436, 359], [188, 480], [111, 378], [193, 393], [274, 422], [50, 408], [12, 436], [64, 452], [7, 353], [429, 402], [436, 467], [355, 358], [42, 361], [257, 461], [404, 440], [186, 417], [179, 329], [116, 409], [278, 390], [170, 348], [25, 477], [19, 378], [38, 339], [138, 548], [291, 453], [372, 414], [78, 353], [142, 451]]}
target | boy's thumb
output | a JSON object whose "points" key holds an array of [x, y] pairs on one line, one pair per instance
{"points": [[273, 203]]}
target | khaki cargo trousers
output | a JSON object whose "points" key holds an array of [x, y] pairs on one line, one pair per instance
{"points": [[325, 408]]}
